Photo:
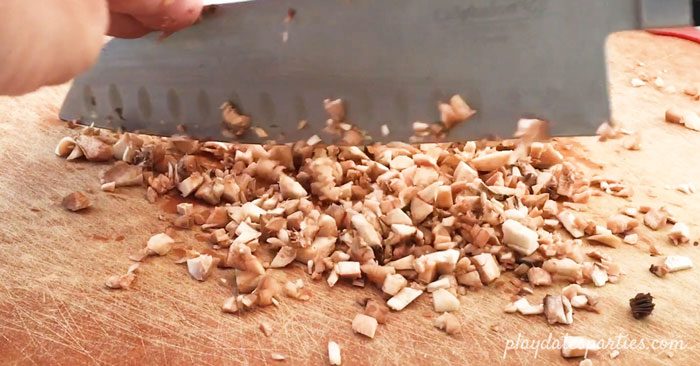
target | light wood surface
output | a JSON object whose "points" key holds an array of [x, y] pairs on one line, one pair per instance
{"points": [[54, 308]]}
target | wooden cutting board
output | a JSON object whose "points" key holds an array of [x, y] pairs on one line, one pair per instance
{"points": [[54, 308]]}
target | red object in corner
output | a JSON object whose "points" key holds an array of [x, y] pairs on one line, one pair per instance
{"points": [[689, 33]]}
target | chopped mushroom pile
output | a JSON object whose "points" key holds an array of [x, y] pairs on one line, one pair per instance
{"points": [[428, 220]]}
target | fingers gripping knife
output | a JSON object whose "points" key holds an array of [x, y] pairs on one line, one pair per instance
{"points": [[391, 61]]}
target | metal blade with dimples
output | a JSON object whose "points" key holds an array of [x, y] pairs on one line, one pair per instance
{"points": [[390, 61]]}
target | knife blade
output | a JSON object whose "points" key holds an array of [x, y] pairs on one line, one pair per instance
{"points": [[390, 61]]}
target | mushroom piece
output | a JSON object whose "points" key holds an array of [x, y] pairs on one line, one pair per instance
{"points": [[377, 311], [220, 237], [545, 155], [655, 218], [348, 269], [492, 161], [290, 188], [443, 198], [674, 263], [607, 239], [447, 323], [637, 82], [402, 264], [397, 217], [519, 237], [577, 346], [200, 267], [393, 283], [465, 173], [76, 201], [218, 218], [470, 279], [211, 190], [234, 122], [487, 267], [365, 325], [539, 277], [123, 175], [267, 289], [76, 153], [579, 301], [151, 195], [419, 127], [445, 301], [571, 223], [425, 176], [65, 146], [366, 230], [124, 281], [126, 147], [565, 267], [189, 185], [266, 328], [557, 309], [246, 282], [313, 140], [524, 307], [377, 274], [160, 244], [403, 231], [335, 109], [108, 187], [184, 144], [241, 258], [184, 208], [401, 162], [429, 265], [619, 224], [94, 148], [574, 290], [691, 120], [406, 296], [631, 239], [445, 282], [455, 112], [332, 278], [321, 247], [420, 210], [283, 257], [679, 234], [599, 276], [252, 211], [334, 357]]}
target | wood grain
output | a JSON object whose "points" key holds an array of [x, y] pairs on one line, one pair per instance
{"points": [[55, 310]]}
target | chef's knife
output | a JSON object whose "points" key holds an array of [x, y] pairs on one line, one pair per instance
{"points": [[390, 61]]}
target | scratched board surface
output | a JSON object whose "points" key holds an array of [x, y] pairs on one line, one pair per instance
{"points": [[55, 310]]}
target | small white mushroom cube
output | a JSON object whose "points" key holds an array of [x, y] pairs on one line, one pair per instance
{"points": [[160, 244], [365, 325], [394, 283], [519, 237], [445, 301], [675, 263], [403, 298], [347, 269]]}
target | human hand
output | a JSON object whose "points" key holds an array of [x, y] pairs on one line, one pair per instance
{"points": [[135, 18], [48, 42]]}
